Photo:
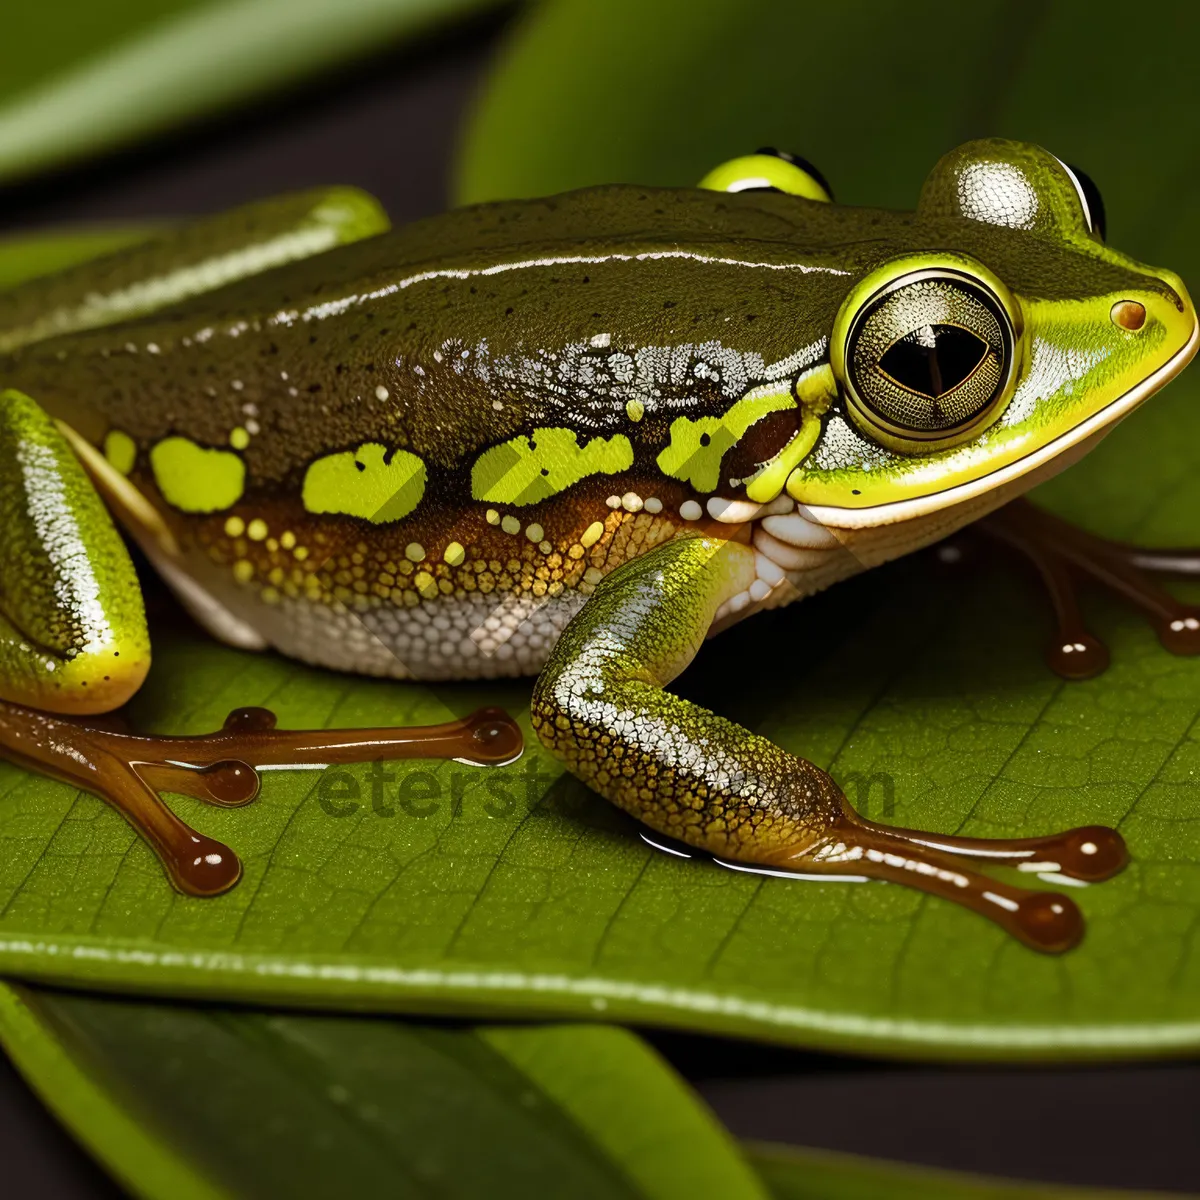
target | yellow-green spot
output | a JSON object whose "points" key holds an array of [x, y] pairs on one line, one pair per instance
{"points": [[239, 438], [235, 527], [526, 470], [635, 410], [371, 482], [698, 444], [455, 555], [120, 450], [194, 478], [257, 530], [769, 480], [592, 534]]}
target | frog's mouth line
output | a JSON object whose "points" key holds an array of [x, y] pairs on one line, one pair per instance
{"points": [[1095, 426]]}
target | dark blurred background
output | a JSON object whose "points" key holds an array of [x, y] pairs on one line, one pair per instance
{"points": [[391, 127]]}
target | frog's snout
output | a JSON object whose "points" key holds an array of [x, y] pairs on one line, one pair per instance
{"points": [[1167, 308], [1172, 307], [1182, 300]]}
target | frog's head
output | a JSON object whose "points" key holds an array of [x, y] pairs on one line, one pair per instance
{"points": [[999, 348]]}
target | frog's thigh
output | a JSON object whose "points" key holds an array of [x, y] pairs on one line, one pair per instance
{"points": [[599, 706], [72, 627]]}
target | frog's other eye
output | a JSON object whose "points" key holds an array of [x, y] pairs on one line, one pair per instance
{"points": [[927, 358], [1090, 199], [769, 170], [1015, 185]]}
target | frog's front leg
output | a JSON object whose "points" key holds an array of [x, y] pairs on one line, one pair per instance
{"points": [[1063, 554], [72, 628], [600, 706], [73, 642]]}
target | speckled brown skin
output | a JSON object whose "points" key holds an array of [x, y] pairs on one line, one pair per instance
{"points": [[599, 705]]}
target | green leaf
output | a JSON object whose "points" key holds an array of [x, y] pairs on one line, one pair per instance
{"points": [[793, 1174], [79, 78], [547, 904], [196, 1103]]}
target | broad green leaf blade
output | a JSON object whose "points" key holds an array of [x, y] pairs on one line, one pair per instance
{"points": [[517, 892], [78, 78], [181, 1102], [793, 1174]]}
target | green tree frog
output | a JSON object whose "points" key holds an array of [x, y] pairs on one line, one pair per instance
{"points": [[569, 437]]}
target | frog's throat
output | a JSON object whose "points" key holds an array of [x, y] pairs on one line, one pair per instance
{"points": [[1093, 428]]}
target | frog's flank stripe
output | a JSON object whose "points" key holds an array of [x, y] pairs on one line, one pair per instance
{"points": [[526, 470], [195, 479], [373, 482], [698, 444]]}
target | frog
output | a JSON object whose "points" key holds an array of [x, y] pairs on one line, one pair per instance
{"points": [[571, 438]]}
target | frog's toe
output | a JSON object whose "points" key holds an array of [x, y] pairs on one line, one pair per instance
{"points": [[1065, 555], [1180, 632]]}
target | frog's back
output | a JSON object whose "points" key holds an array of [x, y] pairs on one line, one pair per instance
{"points": [[418, 454]]}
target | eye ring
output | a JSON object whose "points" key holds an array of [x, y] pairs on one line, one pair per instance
{"points": [[927, 353]]}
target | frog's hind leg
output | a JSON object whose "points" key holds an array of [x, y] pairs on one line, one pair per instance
{"points": [[72, 628], [1063, 554], [600, 706], [177, 263]]}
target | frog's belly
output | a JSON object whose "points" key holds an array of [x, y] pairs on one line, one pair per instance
{"points": [[497, 635], [471, 637]]}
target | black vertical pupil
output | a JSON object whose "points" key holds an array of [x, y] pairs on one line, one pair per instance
{"points": [[933, 359]]}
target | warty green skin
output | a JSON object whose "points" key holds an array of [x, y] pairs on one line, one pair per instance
{"points": [[448, 338], [68, 592]]}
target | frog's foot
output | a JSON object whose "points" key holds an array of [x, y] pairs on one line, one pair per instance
{"points": [[130, 770], [856, 850], [1064, 554], [1046, 921], [706, 782]]}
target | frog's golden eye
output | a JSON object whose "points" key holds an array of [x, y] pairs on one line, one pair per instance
{"points": [[928, 358], [769, 170]]}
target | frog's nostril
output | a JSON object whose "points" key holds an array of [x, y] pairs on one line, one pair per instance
{"points": [[1129, 314]]}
